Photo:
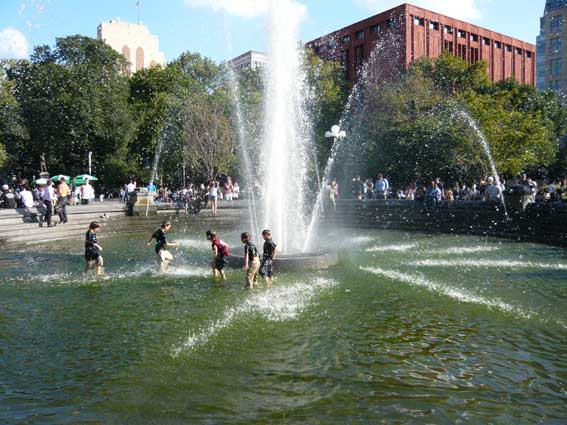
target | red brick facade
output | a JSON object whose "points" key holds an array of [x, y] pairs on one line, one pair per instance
{"points": [[420, 32]]}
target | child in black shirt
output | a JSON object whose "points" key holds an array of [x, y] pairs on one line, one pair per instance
{"points": [[92, 250], [267, 266]]}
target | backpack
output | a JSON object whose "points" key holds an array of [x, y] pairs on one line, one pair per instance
{"points": [[224, 249]]}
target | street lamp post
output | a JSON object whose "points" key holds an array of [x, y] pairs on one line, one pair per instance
{"points": [[336, 134], [90, 163]]}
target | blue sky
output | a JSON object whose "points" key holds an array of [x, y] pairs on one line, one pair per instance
{"points": [[222, 29]]}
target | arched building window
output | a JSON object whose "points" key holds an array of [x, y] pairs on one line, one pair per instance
{"points": [[139, 58], [126, 53]]}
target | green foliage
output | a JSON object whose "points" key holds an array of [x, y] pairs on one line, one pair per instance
{"points": [[416, 128], [74, 99], [330, 93], [13, 133]]}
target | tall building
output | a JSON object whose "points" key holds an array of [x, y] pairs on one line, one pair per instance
{"points": [[134, 41], [411, 32], [551, 47], [249, 60]]}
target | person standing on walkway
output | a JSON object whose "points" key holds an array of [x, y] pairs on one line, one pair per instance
{"points": [[49, 199], [213, 196], [63, 193], [87, 193]]}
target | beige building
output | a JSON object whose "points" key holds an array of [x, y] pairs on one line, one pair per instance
{"points": [[134, 41], [249, 60]]}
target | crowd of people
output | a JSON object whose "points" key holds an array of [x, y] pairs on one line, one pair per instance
{"points": [[47, 199], [488, 189], [184, 196]]}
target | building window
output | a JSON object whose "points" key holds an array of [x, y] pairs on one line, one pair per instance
{"points": [[473, 57], [555, 85], [497, 45], [448, 46], [462, 51], [359, 55], [529, 54], [332, 44], [462, 34], [518, 51], [391, 23], [139, 58], [555, 66], [434, 26], [555, 44], [474, 37], [375, 29], [486, 41], [346, 39], [508, 48], [359, 35], [555, 23], [448, 29], [419, 21]]}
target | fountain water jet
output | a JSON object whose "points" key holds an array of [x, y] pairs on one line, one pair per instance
{"points": [[286, 139]]}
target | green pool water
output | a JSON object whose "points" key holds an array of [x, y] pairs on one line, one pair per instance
{"points": [[407, 328]]}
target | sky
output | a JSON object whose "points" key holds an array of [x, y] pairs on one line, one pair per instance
{"points": [[222, 29]]}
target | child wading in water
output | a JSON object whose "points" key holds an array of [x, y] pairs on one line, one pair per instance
{"points": [[267, 266], [92, 250], [220, 252], [251, 260], [164, 257]]}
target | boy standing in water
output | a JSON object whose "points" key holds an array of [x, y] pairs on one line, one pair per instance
{"points": [[220, 252], [267, 267], [92, 250], [251, 261], [164, 256]]}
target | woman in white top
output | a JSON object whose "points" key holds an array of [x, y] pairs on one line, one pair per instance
{"points": [[87, 193], [213, 196]]}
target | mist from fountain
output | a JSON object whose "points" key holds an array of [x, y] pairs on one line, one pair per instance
{"points": [[244, 151], [354, 107]]}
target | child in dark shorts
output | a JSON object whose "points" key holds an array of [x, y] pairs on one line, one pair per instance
{"points": [[267, 266], [92, 250], [220, 252]]}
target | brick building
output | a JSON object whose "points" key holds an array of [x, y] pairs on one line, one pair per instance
{"points": [[416, 32]]}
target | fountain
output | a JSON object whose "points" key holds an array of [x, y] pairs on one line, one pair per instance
{"points": [[287, 143]]}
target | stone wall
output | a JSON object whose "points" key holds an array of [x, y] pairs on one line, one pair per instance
{"points": [[546, 223]]}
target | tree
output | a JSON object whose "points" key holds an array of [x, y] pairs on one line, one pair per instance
{"points": [[13, 133], [74, 99], [209, 137]]}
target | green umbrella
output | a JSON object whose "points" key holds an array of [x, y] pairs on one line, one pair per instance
{"points": [[81, 179], [59, 176], [39, 182]]}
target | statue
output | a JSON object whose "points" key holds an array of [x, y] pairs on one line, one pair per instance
{"points": [[43, 163]]}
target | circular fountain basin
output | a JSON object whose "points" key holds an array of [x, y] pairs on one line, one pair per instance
{"points": [[303, 261]]}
